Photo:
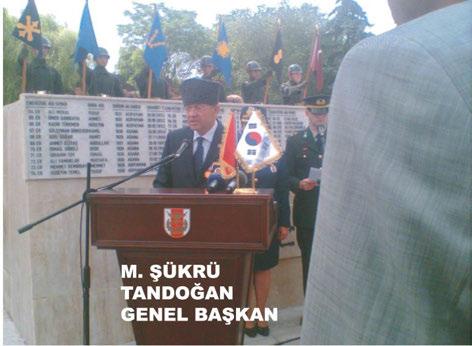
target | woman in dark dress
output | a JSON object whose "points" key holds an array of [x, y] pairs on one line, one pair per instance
{"points": [[274, 177]]}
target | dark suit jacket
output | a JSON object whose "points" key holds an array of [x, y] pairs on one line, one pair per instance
{"points": [[180, 173], [301, 153]]}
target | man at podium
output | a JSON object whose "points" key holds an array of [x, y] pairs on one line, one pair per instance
{"points": [[200, 98]]}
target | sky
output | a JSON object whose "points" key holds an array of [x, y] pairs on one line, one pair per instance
{"points": [[107, 14]]}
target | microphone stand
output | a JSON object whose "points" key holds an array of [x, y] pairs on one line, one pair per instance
{"points": [[86, 268]]}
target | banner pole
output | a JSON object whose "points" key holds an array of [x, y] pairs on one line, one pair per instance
{"points": [[84, 71], [149, 85], [23, 76]]}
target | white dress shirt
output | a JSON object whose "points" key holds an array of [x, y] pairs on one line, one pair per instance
{"points": [[207, 139]]}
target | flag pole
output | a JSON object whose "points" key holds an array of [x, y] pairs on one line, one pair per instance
{"points": [[237, 174], [149, 84], [84, 77], [23, 76], [308, 70], [267, 87]]}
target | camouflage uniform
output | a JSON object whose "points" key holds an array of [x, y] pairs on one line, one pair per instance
{"points": [[292, 93], [253, 91], [207, 60]]}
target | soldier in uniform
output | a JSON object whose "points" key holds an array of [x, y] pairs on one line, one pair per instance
{"points": [[292, 90], [303, 151], [100, 81], [39, 75], [159, 88], [210, 72], [208, 67], [253, 90]]}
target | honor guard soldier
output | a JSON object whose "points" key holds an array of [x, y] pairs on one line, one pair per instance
{"points": [[208, 67], [253, 90], [40, 77], [304, 151], [210, 72], [292, 90], [100, 82], [159, 87]]}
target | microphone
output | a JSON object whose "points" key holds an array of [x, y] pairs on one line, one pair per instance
{"points": [[215, 183], [243, 180], [185, 144]]}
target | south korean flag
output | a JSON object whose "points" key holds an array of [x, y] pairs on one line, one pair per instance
{"points": [[257, 147]]}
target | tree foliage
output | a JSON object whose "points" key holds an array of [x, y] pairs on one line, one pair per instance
{"points": [[251, 37], [63, 45], [185, 38]]}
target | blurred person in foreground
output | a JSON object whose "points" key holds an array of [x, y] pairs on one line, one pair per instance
{"points": [[392, 251]]}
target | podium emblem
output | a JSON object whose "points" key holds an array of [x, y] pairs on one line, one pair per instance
{"points": [[177, 222]]}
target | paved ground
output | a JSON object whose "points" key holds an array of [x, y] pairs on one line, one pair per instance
{"points": [[286, 331]]}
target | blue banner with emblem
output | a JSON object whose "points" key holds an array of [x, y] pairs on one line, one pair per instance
{"points": [[28, 28], [86, 42], [155, 52], [221, 56]]}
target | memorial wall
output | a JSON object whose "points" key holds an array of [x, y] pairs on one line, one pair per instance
{"points": [[48, 141], [118, 136]]}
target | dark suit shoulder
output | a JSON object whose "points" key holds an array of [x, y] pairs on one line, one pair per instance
{"points": [[183, 132]]}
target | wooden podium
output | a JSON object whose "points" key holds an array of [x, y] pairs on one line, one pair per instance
{"points": [[185, 226]]}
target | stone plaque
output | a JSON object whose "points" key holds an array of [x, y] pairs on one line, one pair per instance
{"points": [[117, 135]]}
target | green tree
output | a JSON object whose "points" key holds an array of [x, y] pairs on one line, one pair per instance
{"points": [[11, 70], [251, 36], [185, 37], [63, 46], [244, 26], [344, 28]]}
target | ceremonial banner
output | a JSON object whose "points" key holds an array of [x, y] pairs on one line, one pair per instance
{"points": [[155, 52], [277, 56], [221, 56], [86, 42], [28, 28]]}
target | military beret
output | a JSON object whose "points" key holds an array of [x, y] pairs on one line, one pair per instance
{"points": [[198, 90], [317, 104]]}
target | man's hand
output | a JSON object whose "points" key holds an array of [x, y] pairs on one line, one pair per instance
{"points": [[307, 184], [283, 233]]}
